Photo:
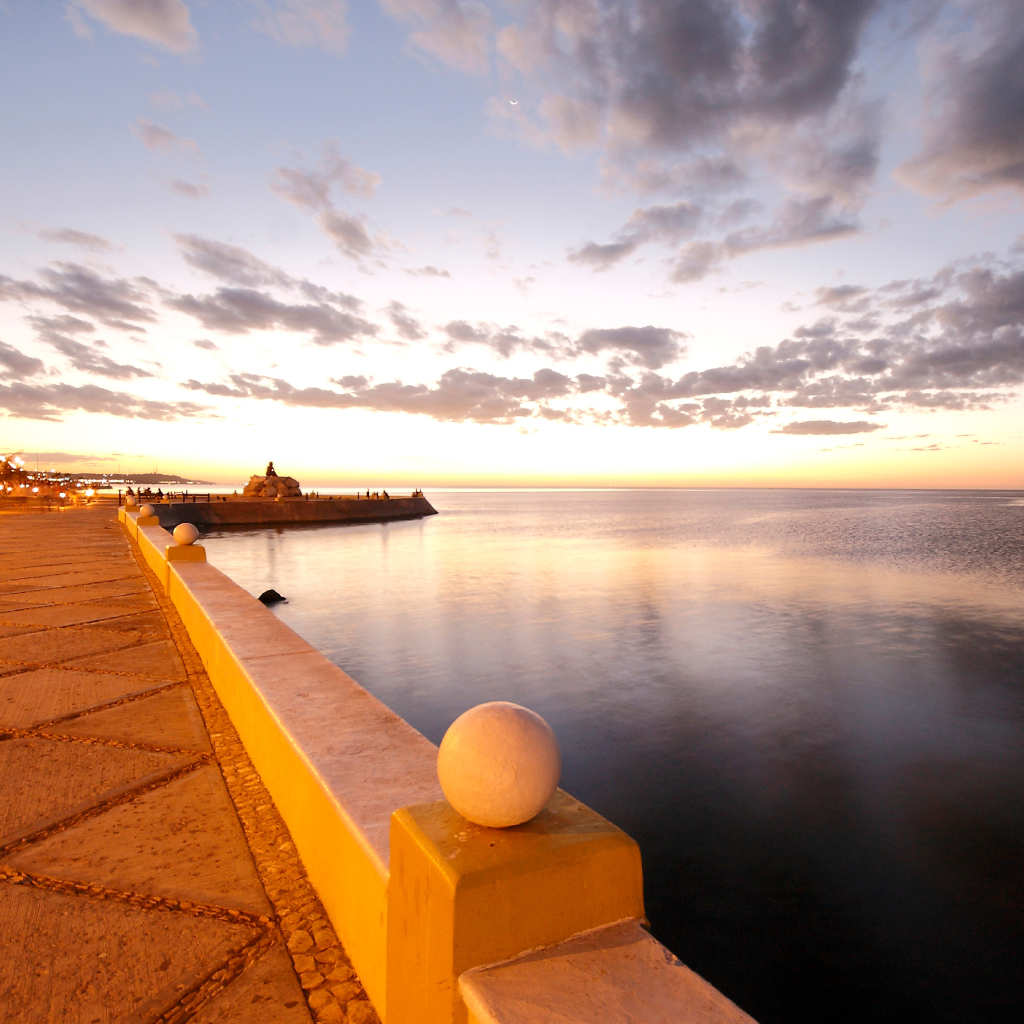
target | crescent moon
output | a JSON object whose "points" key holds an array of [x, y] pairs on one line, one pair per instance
{"points": [[514, 102]]}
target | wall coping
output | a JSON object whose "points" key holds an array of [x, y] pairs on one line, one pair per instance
{"points": [[616, 973]]}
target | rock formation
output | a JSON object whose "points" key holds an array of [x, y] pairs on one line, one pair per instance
{"points": [[272, 486]]}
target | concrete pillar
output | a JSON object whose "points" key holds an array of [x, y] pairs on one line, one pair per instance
{"points": [[463, 895]]}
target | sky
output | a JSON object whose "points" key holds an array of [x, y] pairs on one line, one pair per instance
{"points": [[515, 242]]}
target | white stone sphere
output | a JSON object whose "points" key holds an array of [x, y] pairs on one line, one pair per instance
{"points": [[185, 533], [129, 502], [146, 510], [499, 764]]}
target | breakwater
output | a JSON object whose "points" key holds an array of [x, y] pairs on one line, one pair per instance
{"points": [[240, 511]]}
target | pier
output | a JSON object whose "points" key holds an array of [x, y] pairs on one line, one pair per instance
{"points": [[235, 510]]}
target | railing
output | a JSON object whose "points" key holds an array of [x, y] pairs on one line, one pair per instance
{"points": [[143, 495]]}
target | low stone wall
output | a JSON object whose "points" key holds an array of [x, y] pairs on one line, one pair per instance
{"points": [[234, 511], [446, 922]]}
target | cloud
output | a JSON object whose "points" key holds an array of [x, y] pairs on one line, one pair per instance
{"points": [[235, 265], [668, 224], [501, 340], [847, 297], [696, 260], [454, 31], [305, 23], [67, 458], [652, 347], [310, 190], [155, 137], [81, 239], [829, 427], [241, 310], [163, 22], [86, 359], [797, 222], [407, 326], [229, 263], [974, 135], [188, 189], [52, 401], [460, 395], [117, 302], [428, 271], [15, 365]]}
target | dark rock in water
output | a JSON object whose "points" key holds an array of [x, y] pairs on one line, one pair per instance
{"points": [[271, 597]]}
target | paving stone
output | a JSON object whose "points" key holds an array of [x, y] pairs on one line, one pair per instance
{"points": [[127, 587], [54, 646], [267, 992], [74, 614], [159, 659], [40, 695], [76, 960], [6, 629], [181, 841], [149, 625], [44, 781], [166, 719]]}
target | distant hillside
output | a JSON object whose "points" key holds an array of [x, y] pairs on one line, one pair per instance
{"points": [[165, 478]]}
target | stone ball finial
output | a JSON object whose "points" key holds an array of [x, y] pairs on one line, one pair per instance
{"points": [[185, 533], [129, 502], [499, 764], [146, 510]]}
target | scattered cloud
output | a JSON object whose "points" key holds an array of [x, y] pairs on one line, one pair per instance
{"points": [[454, 31], [310, 190], [241, 310], [160, 139], [188, 189], [428, 271], [305, 23], [116, 302], [67, 458], [652, 347], [15, 365], [81, 239], [829, 427], [460, 395], [164, 22], [407, 326], [974, 134], [53, 401]]}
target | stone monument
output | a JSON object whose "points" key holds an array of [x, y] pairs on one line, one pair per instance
{"points": [[270, 485]]}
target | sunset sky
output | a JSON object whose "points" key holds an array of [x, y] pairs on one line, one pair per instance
{"points": [[600, 242]]}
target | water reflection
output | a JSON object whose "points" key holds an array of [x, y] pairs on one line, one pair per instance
{"points": [[806, 706]]}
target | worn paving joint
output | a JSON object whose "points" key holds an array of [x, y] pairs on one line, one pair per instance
{"points": [[332, 990], [124, 796]]}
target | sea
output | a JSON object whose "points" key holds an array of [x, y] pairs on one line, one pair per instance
{"points": [[807, 706]]}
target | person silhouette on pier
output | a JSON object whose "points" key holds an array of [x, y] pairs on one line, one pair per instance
{"points": [[270, 469]]}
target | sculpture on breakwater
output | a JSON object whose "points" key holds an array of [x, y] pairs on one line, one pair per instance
{"points": [[270, 485]]}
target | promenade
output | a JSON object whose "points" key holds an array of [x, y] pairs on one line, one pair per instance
{"points": [[145, 874]]}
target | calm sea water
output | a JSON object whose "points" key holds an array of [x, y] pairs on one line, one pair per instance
{"points": [[806, 706]]}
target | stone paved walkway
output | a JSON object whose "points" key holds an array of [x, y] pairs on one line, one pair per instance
{"points": [[145, 874]]}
